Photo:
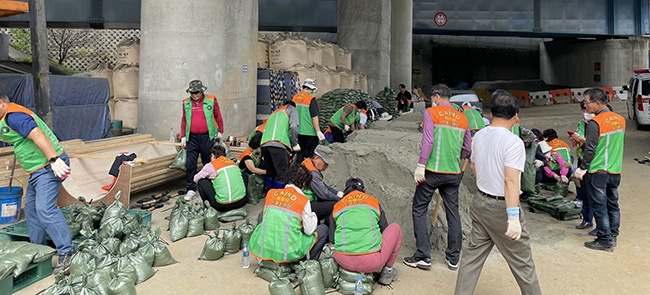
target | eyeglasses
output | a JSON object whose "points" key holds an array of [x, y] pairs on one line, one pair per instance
{"points": [[588, 102], [195, 92]]}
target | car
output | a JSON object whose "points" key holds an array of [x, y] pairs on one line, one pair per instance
{"points": [[638, 103], [461, 96]]}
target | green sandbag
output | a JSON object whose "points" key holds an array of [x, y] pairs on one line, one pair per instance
{"points": [[195, 225], [255, 188], [111, 227], [233, 215], [311, 279], [561, 189], [20, 257], [281, 286], [178, 227], [329, 267], [41, 252], [106, 264], [179, 161], [232, 239], [351, 276], [147, 252], [131, 223], [99, 281], [211, 221], [266, 274], [347, 288], [126, 270], [213, 248], [112, 245], [82, 263], [246, 230], [6, 268], [142, 269], [162, 257], [115, 210], [528, 177], [56, 289], [129, 245], [74, 228], [122, 286]]}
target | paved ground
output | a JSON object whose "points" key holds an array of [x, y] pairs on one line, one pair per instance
{"points": [[564, 266]]}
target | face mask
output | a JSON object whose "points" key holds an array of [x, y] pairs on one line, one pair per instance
{"points": [[589, 116]]}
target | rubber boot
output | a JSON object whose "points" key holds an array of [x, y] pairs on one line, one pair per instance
{"points": [[109, 186]]}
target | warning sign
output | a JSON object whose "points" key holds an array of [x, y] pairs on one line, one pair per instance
{"points": [[440, 19]]}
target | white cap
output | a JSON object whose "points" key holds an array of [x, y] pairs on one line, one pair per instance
{"points": [[310, 83], [544, 147]]}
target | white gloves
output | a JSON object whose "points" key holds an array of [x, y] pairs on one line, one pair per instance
{"points": [[419, 174], [219, 135], [580, 173], [513, 229], [557, 177], [183, 142], [320, 135], [347, 128], [538, 163], [564, 179], [296, 148], [339, 194], [60, 169]]}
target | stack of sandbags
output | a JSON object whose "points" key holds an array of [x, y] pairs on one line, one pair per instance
{"points": [[262, 52], [125, 82], [304, 72], [128, 52], [329, 59], [323, 80], [361, 81], [315, 53], [333, 100], [347, 78], [286, 52], [343, 58], [104, 70], [386, 98]]}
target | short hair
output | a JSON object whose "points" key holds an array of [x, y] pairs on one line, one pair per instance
{"points": [[4, 97], [597, 94], [441, 89], [218, 151], [549, 134], [299, 176], [256, 140], [504, 104], [290, 102], [361, 104], [401, 85]]}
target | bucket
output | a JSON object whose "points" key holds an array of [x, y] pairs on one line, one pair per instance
{"points": [[116, 127], [10, 200]]}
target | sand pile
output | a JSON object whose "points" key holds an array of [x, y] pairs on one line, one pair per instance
{"points": [[385, 158]]}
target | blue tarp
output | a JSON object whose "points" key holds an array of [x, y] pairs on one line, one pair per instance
{"points": [[79, 104]]}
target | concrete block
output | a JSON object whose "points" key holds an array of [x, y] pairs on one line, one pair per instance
{"points": [[540, 98], [620, 93], [578, 94]]}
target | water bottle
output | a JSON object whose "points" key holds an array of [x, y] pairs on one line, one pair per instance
{"points": [[358, 286], [172, 138], [245, 257]]}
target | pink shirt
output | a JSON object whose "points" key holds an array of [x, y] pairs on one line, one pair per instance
{"points": [[198, 124]]}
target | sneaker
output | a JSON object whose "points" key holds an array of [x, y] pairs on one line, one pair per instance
{"points": [[614, 241], [190, 195], [386, 277], [451, 266], [593, 232], [584, 225], [63, 264], [421, 263], [597, 245]]}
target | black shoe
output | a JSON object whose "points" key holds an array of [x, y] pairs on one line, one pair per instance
{"points": [[584, 225], [593, 232], [421, 263], [451, 266], [63, 264], [598, 245]]}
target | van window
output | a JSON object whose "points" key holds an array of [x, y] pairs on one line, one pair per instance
{"points": [[645, 87]]}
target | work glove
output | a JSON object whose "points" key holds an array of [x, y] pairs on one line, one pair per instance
{"points": [[183, 142], [580, 173], [339, 194], [557, 177], [419, 174], [219, 135], [564, 179], [347, 128], [513, 229], [538, 163], [296, 148], [320, 135], [60, 169]]}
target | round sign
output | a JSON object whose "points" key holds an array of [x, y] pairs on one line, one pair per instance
{"points": [[440, 19]]}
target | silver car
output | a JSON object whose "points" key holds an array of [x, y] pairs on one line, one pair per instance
{"points": [[461, 96]]}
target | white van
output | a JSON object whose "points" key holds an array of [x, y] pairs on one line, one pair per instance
{"points": [[638, 103]]}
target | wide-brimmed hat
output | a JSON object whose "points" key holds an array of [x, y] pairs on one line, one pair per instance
{"points": [[196, 85], [544, 147], [310, 83], [325, 153]]}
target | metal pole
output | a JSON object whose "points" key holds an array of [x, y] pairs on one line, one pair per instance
{"points": [[40, 60]]}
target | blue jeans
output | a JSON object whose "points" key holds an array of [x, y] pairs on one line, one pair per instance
{"points": [[43, 215], [602, 191]]}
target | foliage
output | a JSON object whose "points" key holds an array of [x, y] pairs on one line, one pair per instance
{"points": [[71, 42], [21, 40]]}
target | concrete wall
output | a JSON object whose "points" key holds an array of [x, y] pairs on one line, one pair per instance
{"points": [[182, 41], [592, 63]]}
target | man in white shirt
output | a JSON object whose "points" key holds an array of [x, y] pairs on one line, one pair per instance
{"points": [[498, 159]]}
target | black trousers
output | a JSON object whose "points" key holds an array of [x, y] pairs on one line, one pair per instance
{"points": [[322, 231], [307, 144], [276, 162], [323, 209], [337, 134], [197, 145], [206, 191]]}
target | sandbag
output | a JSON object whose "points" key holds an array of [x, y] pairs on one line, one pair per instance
{"points": [[122, 286], [329, 267], [6, 268], [107, 263], [211, 217], [112, 245], [147, 252], [311, 278], [285, 53], [266, 274], [74, 228], [305, 72], [281, 286], [179, 160], [128, 51], [99, 281], [178, 227], [103, 70], [162, 256], [328, 59], [528, 177], [233, 215], [195, 226], [126, 110], [347, 79], [41, 252], [232, 240], [125, 81], [255, 188], [82, 263], [561, 189], [351, 276], [126, 270], [213, 248], [246, 230], [142, 270], [262, 53], [111, 224], [128, 246], [314, 54], [131, 223]]}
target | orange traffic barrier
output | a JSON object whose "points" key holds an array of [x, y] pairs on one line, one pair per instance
{"points": [[610, 92], [523, 97], [560, 96]]}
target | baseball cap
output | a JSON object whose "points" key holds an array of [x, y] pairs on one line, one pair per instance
{"points": [[325, 153], [310, 83]]}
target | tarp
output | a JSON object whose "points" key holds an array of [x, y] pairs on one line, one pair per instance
{"points": [[79, 104]]}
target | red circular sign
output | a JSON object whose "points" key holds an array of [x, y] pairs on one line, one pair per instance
{"points": [[440, 19]]}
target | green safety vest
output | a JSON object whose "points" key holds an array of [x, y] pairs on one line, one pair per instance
{"points": [[449, 133], [228, 185], [474, 119], [349, 120], [609, 152], [27, 153], [562, 148], [277, 127], [303, 100], [581, 131], [280, 237], [357, 224], [208, 107]]}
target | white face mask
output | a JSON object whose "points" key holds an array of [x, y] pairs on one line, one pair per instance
{"points": [[589, 116]]}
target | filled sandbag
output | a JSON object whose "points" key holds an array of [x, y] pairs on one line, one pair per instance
{"points": [[262, 52], [336, 79], [128, 51], [246, 230], [232, 239], [126, 110], [323, 80], [314, 53], [125, 81], [329, 267], [347, 79], [213, 248], [304, 72], [102, 70], [281, 286], [178, 225], [338, 55], [211, 220], [328, 60], [285, 53], [311, 278]]}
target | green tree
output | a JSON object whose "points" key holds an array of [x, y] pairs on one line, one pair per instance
{"points": [[21, 40], [66, 41]]}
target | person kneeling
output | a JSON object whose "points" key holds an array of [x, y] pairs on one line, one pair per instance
{"points": [[220, 182], [288, 230], [363, 240]]}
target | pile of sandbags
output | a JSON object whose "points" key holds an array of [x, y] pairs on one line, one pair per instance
{"points": [[304, 72], [361, 81], [104, 70], [17, 256], [286, 51], [333, 100], [192, 219], [347, 280], [125, 82], [386, 98]]}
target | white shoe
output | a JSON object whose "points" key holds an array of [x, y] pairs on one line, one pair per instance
{"points": [[190, 195]]}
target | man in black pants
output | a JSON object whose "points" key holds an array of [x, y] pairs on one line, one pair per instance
{"points": [[279, 139], [403, 97]]}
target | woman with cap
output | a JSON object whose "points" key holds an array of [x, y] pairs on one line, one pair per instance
{"points": [[363, 240], [220, 182]]}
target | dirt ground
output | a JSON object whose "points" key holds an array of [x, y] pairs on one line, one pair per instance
{"points": [[564, 266]]}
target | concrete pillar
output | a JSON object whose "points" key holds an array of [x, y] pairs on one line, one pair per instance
{"points": [[401, 44], [214, 41], [364, 29]]}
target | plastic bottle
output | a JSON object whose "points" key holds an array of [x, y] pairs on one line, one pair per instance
{"points": [[245, 257], [358, 286], [172, 138]]}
